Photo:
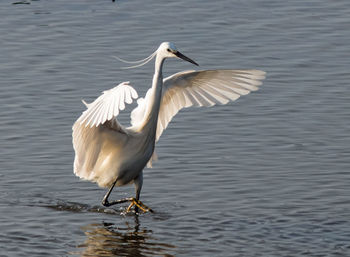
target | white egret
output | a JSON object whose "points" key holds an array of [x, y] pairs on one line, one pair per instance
{"points": [[112, 155]]}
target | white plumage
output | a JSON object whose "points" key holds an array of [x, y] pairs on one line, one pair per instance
{"points": [[109, 154], [204, 88], [107, 106]]}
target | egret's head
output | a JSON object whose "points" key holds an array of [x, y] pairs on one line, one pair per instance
{"points": [[169, 50]]}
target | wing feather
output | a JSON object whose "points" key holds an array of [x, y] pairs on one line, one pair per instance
{"points": [[188, 102], [191, 97], [219, 96], [114, 105], [107, 106], [121, 102], [128, 98], [209, 97], [94, 112], [204, 88]]}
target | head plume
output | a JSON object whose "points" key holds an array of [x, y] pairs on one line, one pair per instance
{"points": [[138, 63]]}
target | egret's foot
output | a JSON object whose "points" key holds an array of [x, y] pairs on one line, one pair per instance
{"points": [[134, 202], [138, 204], [106, 203]]}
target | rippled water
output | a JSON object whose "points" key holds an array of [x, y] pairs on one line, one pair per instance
{"points": [[267, 175]]}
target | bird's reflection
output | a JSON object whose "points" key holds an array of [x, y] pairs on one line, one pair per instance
{"points": [[108, 239]]}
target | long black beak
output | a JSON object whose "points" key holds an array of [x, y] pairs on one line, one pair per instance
{"points": [[183, 57]]}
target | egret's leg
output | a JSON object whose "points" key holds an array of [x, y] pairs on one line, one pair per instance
{"points": [[134, 201], [138, 185], [105, 201]]}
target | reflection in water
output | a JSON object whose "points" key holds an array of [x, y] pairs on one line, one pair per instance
{"points": [[107, 239]]}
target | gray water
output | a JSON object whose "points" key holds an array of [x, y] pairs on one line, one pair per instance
{"points": [[267, 175]]}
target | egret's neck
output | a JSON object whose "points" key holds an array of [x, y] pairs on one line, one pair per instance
{"points": [[153, 103], [158, 67]]}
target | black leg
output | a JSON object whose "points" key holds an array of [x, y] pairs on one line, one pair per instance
{"points": [[105, 198], [106, 203], [138, 185], [134, 201]]}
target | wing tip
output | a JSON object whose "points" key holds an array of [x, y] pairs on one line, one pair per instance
{"points": [[85, 103]]}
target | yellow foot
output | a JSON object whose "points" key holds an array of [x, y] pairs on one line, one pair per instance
{"points": [[139, 204]]}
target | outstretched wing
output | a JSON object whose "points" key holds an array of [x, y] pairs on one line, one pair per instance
{"points": [[106, 107], [94, 125], [204, 88]]}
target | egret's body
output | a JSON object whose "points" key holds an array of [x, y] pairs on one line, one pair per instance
{"points": [[109, 154]]}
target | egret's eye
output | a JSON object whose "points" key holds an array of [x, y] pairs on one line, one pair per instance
{"points": [[169, 50]]}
